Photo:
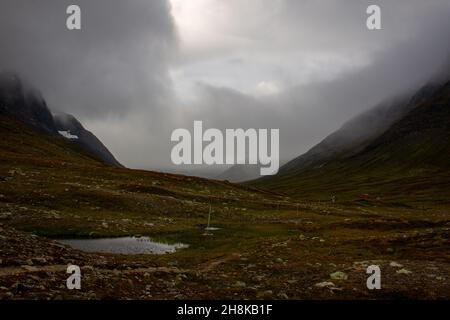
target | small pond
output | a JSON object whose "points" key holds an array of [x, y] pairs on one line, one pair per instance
{"points": [[123, 245]]}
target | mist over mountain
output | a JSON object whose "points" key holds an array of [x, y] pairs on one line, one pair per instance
{"points": [[137, 72], [87, 140], [243, 172], [403, 143], [359, 131], [24, 103]]}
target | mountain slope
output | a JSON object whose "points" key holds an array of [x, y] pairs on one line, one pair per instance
{"points": [[411, 158], [359, 132], [66, 123], [46, 172], [24, 145], [50, 187], [25, 104]]}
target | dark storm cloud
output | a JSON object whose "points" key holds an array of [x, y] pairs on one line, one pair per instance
{"points": [[117, 62], [132, 74], [411, 49]]}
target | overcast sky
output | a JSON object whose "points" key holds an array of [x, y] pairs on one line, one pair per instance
{"points": [[139, 69]]}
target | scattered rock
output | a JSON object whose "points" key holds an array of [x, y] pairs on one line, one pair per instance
{"points": [[239, 284], [5, 215], [395, 264], [283, 295], [338, 275], [292, 281], [39, 260], [265, 294], [404, 271], [325, 284], [336, 289], [181, 276]]}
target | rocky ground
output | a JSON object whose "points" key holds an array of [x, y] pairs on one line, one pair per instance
{"points": [[303, 259]]}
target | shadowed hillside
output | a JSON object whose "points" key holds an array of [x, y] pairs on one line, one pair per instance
{"points": [[25, 104], [398, 151]]}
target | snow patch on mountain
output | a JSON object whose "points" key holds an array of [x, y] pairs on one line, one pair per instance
{"points": [[67, 135]]}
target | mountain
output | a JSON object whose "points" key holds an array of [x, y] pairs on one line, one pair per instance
{"points": [[69, 127], [400, 148], [22, 102], [360, 131], [49, 174]]}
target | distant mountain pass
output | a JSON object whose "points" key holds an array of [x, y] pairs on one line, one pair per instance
{"points": [[240, 173]]}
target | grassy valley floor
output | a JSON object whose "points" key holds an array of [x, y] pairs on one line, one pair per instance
{"points": [[268, 246], [320, 251]]}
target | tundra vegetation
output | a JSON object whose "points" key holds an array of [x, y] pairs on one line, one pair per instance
{"points": [[267, 245]]}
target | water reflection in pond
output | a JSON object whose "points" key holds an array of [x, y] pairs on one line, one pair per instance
{"points": [[124, 245]]}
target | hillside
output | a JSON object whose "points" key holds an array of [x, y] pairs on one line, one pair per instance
{"points": [[46, 173], [26, 104], [405, 157], [264, 246], [84, 138]]}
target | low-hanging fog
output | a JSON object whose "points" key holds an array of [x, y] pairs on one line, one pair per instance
{"points": [[139, 69]]}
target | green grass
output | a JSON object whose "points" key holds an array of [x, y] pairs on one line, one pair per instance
{"points": [[55, 190]]}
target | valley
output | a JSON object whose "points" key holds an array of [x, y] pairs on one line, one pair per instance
{"points": [[379, 198], [269, 246]]}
